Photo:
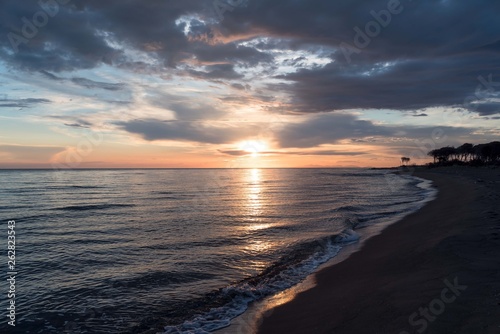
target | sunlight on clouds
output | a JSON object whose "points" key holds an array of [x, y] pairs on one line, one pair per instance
{"points": [[380, 68], [129, 54], [189, 23], [288, 60], [168, 85]]}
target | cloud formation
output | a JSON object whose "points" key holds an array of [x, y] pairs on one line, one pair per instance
{"points": [[87, 83], [301, 74], [317, 130], [427, 55], [334, 127], [240, 153], [154, 129], [21, 103]]}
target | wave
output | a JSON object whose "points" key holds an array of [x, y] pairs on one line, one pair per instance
{"points": [[354, 174], [84, 187], [347, 236], [179, 286], [292, 268], [365, 174], [348, 208], [212, 242], [92, 207], [65, 187], [155, 279]]}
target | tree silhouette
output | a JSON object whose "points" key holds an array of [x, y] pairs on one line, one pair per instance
{"points": [[467, 154], [466, 151], [405, 161]]}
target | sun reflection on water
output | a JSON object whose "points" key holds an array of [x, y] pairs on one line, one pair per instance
{"points": [[254, 193], [254, 208]]}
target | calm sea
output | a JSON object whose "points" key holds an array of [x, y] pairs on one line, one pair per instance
{"points": [[183, 251]]}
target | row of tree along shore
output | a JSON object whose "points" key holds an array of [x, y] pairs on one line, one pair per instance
{"points": [[467, 154]]}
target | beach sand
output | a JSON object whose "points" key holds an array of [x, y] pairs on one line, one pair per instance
{"points": [[435, 271]]}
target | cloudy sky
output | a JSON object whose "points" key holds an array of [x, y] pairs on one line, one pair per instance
{"points": [[244, 83]]}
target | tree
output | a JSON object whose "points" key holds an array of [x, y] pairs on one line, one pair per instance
{"points": [[445, 153], [434, 154], [466, 151], [488, 153]]}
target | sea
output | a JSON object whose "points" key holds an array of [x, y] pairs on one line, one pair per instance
{"points": [[179, 250]]}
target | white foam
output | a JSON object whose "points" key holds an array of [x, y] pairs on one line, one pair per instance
{"points": [[245, 293], [347, 236], [218, 318]]}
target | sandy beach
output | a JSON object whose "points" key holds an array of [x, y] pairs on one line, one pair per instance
{"points": [[435, 271]]}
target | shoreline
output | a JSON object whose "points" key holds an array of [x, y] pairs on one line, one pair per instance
{"points": [[248, 321], [384, 283]]}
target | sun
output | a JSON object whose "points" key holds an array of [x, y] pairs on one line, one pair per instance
{"points": [[255, 147]]}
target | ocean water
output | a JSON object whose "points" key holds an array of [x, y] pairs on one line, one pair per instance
{"points": [[179, 251]]}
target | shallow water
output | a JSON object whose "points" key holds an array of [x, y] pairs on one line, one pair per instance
{"points": [[114, 251]]}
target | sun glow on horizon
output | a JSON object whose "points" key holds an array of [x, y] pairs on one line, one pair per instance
{"points": [[255, 147]]}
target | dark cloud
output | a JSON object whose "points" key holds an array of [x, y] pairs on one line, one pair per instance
{"points": [[67, 41], [154, 129], [430, 54], [421, 29], [316, 152], [402, 85], [331, 128], [87, 83], [193, 111], [317, 130], [485, 109], [327, 153], [77, 125], [85, 34], [71, 121], [427, 56], [22, 103], [221, 71], [230, 52], [236, 153], [80, 32], [51, 76], [239, 86], [185, 109]]}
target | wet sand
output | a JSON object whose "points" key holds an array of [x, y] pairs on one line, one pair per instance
{"points": [[435, 271]]}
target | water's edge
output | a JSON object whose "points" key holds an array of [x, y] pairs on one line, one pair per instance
{"points": [[249, 321]]}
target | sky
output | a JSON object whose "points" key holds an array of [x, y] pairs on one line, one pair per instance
{"points": [[244, 83]]}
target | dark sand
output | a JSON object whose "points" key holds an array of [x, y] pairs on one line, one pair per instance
{"points": [[402, 271]]}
